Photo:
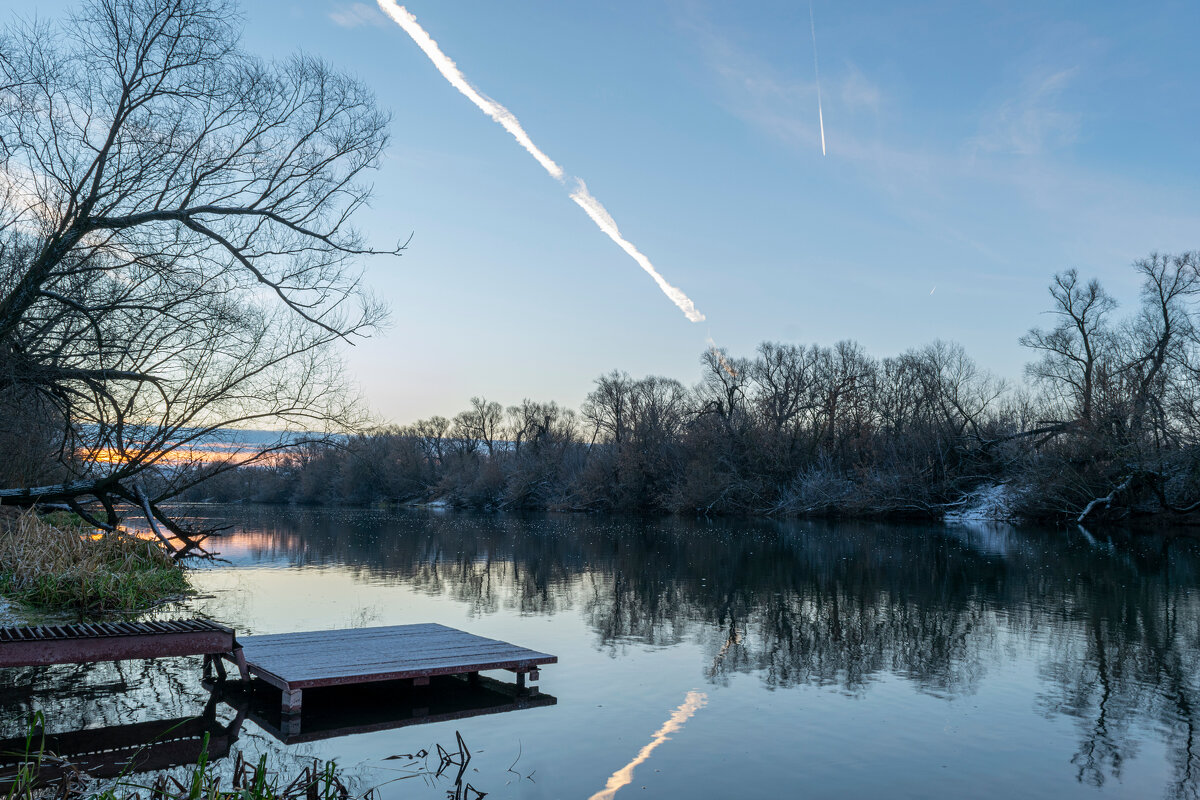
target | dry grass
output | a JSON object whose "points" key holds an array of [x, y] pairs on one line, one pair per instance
{"points": [[60, 564]]}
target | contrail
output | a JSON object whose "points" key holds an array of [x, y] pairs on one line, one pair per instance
{"points": [[606, 223], [692, 703], [452, 73], [817, 72], [725, 365], [598, 213]]}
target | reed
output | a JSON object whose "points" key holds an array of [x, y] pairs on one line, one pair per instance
{"points": [[60, 564]]}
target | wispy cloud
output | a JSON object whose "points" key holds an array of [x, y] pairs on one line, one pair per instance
{"points": [[858, 91], [1034, 120], [1010, 162], [357, 15]]}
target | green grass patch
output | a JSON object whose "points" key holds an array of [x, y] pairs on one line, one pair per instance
{"points": [[70, 567]]}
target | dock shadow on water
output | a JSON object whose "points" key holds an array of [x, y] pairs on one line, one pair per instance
{"points": [[814, 659]]}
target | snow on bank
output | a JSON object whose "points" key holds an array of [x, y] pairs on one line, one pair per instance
{"points": [[987, 503]]}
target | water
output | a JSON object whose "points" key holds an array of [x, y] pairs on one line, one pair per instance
{"points": [[722, 659]]}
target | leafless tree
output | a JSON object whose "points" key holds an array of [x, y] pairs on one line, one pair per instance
{"points": [[1074, 349], [480, 424], [176, 248]]}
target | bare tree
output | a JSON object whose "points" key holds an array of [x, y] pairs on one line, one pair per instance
{"points": [[1073, 351], [176, 248], [480, 424]]}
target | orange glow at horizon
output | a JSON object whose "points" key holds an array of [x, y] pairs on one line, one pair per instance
{"points": [[183, 456]]}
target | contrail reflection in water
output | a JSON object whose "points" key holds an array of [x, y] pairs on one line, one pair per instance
{"points": [[692, 703]]}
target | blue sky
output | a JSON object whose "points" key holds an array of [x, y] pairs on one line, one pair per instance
{"points": [[972, 147]]}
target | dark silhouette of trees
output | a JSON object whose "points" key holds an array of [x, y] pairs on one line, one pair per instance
{"points": [[1109, 428], [177, 253]]}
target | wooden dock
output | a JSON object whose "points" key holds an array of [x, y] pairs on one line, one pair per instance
{"points": [[42, 645], [293, 662]]}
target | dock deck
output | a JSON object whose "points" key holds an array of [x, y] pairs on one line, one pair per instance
{"points": [[80, 643], [293, 662]]}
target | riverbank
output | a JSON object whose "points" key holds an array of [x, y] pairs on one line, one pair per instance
{"points": [[59, 564]]}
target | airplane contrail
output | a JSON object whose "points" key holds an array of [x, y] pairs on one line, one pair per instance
{"points": [[450, 71], [606, 223], [725, 365], [591, 206], [692, 703], [817, 72]]}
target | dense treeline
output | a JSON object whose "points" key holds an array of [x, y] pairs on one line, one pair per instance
{"points": [[1106, 427]]}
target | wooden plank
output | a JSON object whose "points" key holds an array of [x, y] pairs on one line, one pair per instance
{"points": [[339, 657], [40, 652], [29, 646]]}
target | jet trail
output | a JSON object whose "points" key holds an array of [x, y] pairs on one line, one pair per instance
{"points": [[597, 212], [450, 71], [692, 703], [817, 72], [725, 365], [606, 223]]}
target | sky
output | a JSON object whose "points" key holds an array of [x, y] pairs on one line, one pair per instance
{"points": [[972, 150]]}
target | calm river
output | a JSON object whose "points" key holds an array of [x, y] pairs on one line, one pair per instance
{"points": [[708, 659]]}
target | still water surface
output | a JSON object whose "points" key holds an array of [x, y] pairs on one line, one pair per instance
{"points": [[722, 659]]}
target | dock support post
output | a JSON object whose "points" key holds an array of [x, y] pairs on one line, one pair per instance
{"points": [[473, 678], [520, 681], [291, 700], [240, 659]]}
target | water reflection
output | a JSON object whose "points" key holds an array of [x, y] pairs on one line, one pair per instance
{"points": [[350, 710], [1111, 631], [1117, 626], [113, 750]]}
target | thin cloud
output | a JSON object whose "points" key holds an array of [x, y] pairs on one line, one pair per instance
{"points": [[857, 91], [357, 15], [945, 184], [1034, 121]]}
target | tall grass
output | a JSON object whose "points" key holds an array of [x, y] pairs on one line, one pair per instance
{"points": [[65, 566]]}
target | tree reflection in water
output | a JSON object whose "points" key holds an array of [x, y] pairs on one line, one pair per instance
{"points": [[1115, 627], [840, 605]]}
